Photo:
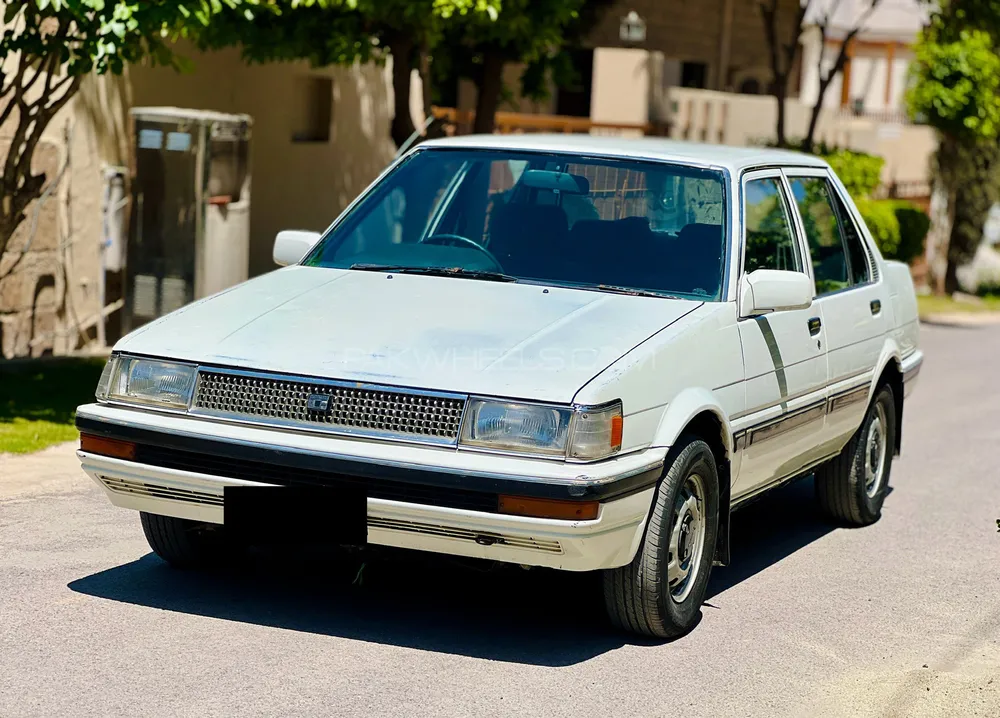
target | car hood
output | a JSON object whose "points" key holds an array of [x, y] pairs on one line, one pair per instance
{"points": [[442, 333]]}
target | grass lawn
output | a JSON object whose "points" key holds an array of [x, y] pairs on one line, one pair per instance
{"points": [[932, 304], [38, 401]]}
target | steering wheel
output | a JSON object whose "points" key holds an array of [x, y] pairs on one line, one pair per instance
{"points": [[457, 240]]}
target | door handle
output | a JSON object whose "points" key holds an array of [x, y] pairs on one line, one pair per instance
{"points": [[876, 306], [814, 326]]}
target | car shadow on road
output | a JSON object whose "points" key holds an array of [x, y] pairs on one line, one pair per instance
{"points": [[501, 613], [767, 531], [434, 603]]}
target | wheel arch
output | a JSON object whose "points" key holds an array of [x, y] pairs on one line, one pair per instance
{"points": [[889, 371], [697, 412]]}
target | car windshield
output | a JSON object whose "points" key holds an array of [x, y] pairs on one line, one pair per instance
{"points": [[558, 219]]}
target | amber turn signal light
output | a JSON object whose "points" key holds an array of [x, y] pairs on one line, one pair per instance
{"points": [[107, 447], [549, 508]]}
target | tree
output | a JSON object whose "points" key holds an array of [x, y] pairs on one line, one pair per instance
{"points": [[956, 90], [341, 32], [533, 32], [782, 53], [827, 75], [51, 45]]}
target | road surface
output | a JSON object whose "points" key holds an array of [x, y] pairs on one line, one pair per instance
{"points": [[898, 619]]}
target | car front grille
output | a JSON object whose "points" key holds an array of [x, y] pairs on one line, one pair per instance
{"points": [[336, 406]]}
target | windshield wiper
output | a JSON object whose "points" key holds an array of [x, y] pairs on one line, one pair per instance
{"points": [[437, 272], [634, 292]]}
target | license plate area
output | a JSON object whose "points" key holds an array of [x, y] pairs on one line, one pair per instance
{"points": [[296, 514]]}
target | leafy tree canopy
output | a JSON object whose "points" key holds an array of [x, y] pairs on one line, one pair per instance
{"points": [[957, 82], [336, 32]]}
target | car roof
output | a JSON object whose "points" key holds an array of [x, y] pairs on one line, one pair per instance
{"points": [[734, 159]]}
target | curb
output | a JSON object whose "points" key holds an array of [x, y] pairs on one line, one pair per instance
{"points": [[961, 319]]}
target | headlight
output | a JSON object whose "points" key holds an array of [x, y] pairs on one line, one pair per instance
{"points": [[147, 381], [577, 433]]}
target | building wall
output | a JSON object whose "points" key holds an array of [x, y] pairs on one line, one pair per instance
{"points": [[51, 304], [49, 301], [877, 74], [726, 118], [693, 31], [295, 184]]}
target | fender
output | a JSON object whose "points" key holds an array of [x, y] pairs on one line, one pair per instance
{"points": [[683, 409], [700, 407], [891, 353]]}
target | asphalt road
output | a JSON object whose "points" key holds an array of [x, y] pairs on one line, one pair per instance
{"points": [[898, 619]]}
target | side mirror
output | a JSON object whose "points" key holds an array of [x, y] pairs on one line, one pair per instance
{"points": [[291, 245], [772, 290]]}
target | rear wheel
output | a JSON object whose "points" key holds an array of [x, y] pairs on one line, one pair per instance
{"points": [[852, 487], [186, 544], [661, 591]]}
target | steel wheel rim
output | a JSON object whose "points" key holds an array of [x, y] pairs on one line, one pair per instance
{"points": [[875, 452], [687, 538]]}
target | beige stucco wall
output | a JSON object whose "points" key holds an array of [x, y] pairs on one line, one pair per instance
{"points": [[54, 296], [704, 115], [295, 185], [49, 303], [620, 92]]}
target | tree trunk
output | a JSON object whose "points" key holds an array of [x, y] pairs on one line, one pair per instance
{"points": [[488, 99], [780, 93], [434, 128], [970, 172], [402, 127], [817, 108], [951, 284]]}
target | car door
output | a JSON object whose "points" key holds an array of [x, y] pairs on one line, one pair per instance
{"points": [[850, 296], [783, 352]]}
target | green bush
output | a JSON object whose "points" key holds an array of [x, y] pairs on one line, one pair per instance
{"points": [[880, 216], [914, 224], [859, 171]]}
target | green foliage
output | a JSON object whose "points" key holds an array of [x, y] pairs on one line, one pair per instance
{"points": [[956, 84], [914, 224], [860, 172], [880, 216], [338, 32], [105, 35]]}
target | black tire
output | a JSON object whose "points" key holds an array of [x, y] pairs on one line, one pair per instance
{"points": [[638, 596], [843, 489], [186, 544]]}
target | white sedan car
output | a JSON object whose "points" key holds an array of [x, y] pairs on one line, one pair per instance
{"points": [[572, 352]]}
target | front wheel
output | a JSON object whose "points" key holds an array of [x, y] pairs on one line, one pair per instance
{"points": [[660, 592], [186, 544], [851, 488]]}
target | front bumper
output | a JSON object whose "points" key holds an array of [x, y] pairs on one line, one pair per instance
{"points": [[625, 487]]}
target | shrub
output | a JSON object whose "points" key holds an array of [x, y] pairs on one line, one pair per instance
{"points": [[880, 216], [860, 172], [914, 224]]}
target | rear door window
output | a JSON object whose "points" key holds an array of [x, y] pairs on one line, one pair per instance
{"points": [[837, 249]]}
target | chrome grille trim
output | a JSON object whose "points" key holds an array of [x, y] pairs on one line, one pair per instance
{"points": [[454, 532], [156, 491], [353, 408]]}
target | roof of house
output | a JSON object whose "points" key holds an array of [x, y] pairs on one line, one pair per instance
{"points": [[898, 20], [647, 148]]}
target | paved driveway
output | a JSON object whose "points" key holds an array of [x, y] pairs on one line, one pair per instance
{"points": [[898, 619]]}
